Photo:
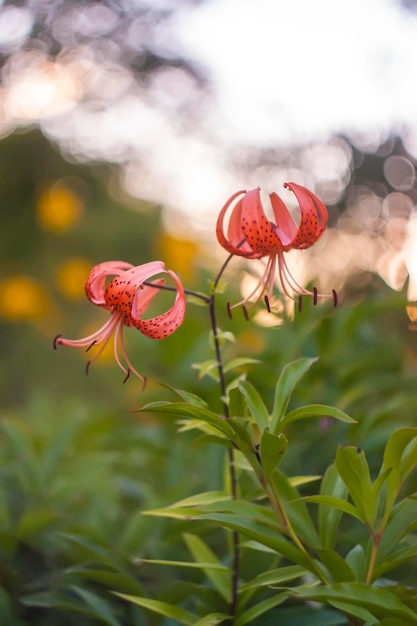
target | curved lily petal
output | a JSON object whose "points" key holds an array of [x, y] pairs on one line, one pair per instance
{"points": [[235, 242], [165, 324], [120, 294], [314, 216], [95, 285], [285, 227], [259, 232]]}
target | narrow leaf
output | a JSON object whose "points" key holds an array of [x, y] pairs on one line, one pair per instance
{"points": [[289, 377], [255, 403], [239, 362], [353, 469], [377, 600], [162, 608], [202, 553], [272, 449], [316, 411], [336, 503], [329, 517]]}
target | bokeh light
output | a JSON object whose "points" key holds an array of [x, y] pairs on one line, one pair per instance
{"points": [[59, 207], [22, 298]]}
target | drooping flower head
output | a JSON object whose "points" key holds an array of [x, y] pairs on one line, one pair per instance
{"points": [[252, 235], [127, 298]]}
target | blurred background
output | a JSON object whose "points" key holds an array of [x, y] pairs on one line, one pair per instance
{"points": [[124, 127]]}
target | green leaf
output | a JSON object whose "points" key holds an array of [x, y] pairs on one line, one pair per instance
{"points": [[203, 565], [336, 565], [162, 608], [121, 581], [260, 608], [299, 481], [201, 499], [182, 409], [395, 559], [289, 377], [357, 561], [329, 516], [187, 396], [203, 554], [296, 509], [316, 410], [212, 619], [207, 368], [255, 403], [274, 577], [8, 616], [35, 521], [399, 463], [239, 362], [377, 600], [403, 519], [356, 611], [259, 532], [353, 469], [272, 449], [71, 603], [336, 503], [101, 608]]}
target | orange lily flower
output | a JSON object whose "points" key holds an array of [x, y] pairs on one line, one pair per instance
{"points": [[252, 235], [127, 298]]}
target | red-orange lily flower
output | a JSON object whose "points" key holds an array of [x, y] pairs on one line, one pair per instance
{"points": [[252, 235], [127, 298]]}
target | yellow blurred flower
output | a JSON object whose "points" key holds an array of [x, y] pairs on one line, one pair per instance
{"points": [[22, 298], [59, 207], [179, 254], [71, 277]]}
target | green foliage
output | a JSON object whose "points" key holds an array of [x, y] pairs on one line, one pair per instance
{"points": [[127, 513]]}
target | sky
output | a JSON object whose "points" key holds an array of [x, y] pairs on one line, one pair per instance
{"points": [[290, 71], [281, 74]]}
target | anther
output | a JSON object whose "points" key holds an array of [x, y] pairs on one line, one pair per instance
{"points": [[55, 340], [245, 312], [300, 304], [229, 310], [145, 380], [315, 295], [268, 306], [91, 345], [335, 299], [127, 376], [87, 367]]}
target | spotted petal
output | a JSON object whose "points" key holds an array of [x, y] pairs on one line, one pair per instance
{"points": [[313, 217], [165, 324], [95, 285], [235, 242]]}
